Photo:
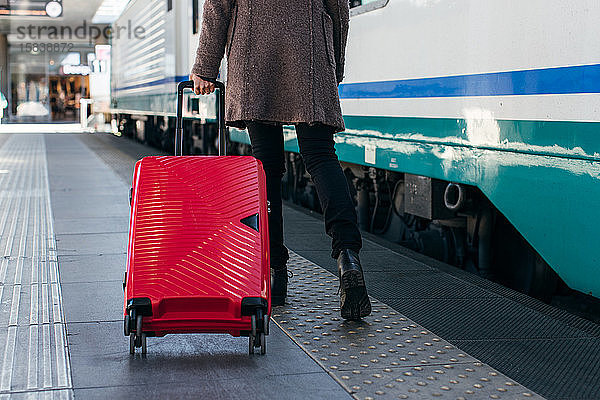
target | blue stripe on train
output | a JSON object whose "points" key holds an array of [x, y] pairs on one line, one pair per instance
{"points": [[559, 80]]}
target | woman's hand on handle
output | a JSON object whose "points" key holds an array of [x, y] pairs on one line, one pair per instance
{"points": [[201, 86]]}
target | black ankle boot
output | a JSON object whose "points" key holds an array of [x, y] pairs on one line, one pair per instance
{"points": [[354, 300], [279, 280]]}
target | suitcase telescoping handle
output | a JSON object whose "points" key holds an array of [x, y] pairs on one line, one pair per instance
{"points": [[220, 86]]}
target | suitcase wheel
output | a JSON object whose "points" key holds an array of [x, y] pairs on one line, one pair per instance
{"points": [[257, 342], [144, 345], [138, 326], [258, 333], [126, 324], [263, 344], [137, 338], [250, 344], [132, 344], [266, 324]]}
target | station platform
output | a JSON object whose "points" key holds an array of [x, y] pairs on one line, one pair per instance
{"points": [[435, 331]]}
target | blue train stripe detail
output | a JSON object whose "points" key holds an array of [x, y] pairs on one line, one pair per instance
{"points": [[559, 80]]}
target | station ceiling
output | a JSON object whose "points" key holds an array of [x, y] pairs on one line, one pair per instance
{"points": [[33, 54], [74, 13]]}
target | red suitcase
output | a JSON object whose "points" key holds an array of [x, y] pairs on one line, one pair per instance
{"points": [[198, 254]]}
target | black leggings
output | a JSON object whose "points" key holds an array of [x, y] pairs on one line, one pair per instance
{"points": [[317, 149]]}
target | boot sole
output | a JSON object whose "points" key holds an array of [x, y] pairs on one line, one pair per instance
{"points": [[357, 304]]}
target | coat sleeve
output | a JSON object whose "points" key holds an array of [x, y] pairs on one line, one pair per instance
{"points": [[213, 37], [339, 10]]}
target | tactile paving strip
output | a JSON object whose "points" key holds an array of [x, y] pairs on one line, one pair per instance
{"points": [[385, 356], [33, 345]]}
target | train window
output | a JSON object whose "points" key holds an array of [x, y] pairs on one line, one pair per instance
{"points": [[363, 6]]}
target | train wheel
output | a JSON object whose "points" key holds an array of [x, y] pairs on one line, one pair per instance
{"points": [[544, 280], [519, 266]]}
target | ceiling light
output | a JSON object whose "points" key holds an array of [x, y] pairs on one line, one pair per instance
{"points": [[54, 9]]}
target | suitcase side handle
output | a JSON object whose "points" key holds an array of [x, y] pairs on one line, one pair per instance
{"points": [[220, 86]]}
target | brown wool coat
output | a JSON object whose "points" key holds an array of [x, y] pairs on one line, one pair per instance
{"points": [[285, 58]]}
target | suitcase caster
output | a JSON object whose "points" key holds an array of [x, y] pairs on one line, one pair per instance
{"points": [[250, 344], [135, 341], [266, 324], [263, 344], [127, 320], [144, 345], [257, 342], [132, 344], [126, 324], [258, 336], [137, 338]]}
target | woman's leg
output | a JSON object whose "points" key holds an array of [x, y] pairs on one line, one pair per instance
{"points": [[318, 151], [267, 146]]}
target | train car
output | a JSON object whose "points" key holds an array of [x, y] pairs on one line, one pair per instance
{"points": [[473, 130], [148, 64]]}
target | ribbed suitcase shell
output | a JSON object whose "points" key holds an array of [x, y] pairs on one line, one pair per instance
{"points": [[189, 251]]}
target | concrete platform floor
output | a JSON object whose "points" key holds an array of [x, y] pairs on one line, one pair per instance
{"points": [[91, 211], [86, 181]]}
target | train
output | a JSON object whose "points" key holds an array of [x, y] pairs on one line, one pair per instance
{"points": [[472, 127]]}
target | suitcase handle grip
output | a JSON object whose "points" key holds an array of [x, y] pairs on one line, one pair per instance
{"points": [[220, 86]]}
